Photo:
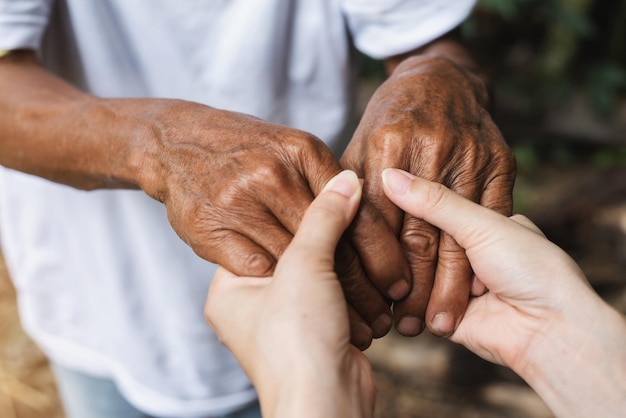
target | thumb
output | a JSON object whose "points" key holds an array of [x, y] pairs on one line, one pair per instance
{"points": [[493, 242], [325, 221], [468, 222]]}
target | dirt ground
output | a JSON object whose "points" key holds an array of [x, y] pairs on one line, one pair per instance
{"points": [[26, 385]]}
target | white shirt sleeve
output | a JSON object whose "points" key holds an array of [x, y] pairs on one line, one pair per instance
{"points": [[23, 23], [383, 28]]}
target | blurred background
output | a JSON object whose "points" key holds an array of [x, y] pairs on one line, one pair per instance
{"points": [[558, 69]]}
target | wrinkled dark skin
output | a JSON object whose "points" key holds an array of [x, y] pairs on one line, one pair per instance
{"points": [[235, 187], [238, 199], [429, 118]]}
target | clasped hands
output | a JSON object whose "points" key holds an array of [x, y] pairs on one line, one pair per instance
{"points": [[426, 119]]}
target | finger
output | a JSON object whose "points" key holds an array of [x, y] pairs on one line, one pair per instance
{"points": [[287, 198], [315, 245], [419, 240], [478, 287], [327, 218], [498, 191], [380, 253], [360, 293], [453, 274], [235, 252], [307, 167], [227, 290], [451, 289], [370, 170], [360, 333], [270, 235], [376, 227], [217, 295]]}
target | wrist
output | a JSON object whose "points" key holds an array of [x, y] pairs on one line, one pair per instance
{"points": [[316, 389], [57, 131], [143, 133], [460, 72], [578, 366], [121, 140]]}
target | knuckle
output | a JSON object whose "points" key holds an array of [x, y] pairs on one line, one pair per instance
{"points": [[508, 161], [230, 196], [432, 156], [453, 255], [257, 264], [307, 156], [471, 168], [388, 139], [519, 218], [269, 172], [420, 243], [502, 156], [303, 145], [252, 187]]}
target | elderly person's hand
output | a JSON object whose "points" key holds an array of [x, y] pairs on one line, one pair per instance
{"points": [[429, 118], [290, 332]]}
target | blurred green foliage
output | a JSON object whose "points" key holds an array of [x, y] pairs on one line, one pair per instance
{"points": [[542, 52]]}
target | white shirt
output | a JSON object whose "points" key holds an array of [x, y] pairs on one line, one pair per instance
{"points": [[105, 286]]}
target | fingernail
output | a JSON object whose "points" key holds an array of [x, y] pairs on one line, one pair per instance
{"points": [[381, 326], [398, 290], [345, 183], [410, 326], [397, 181], [361, 336], [443, 324]]}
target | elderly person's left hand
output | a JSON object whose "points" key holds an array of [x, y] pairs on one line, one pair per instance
{"points": [[430, 119]]}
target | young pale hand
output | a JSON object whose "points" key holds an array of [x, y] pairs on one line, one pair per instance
{"points": [[291, 331], [540, 317], [530, 280]]}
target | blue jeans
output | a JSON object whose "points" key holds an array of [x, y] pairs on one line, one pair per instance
{"points": [[85, 396]]}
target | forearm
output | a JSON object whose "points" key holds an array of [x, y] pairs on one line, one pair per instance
{"points": [[580, 369], [53, 130]]}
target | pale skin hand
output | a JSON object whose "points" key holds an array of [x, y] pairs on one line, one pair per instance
{"points": [[290, 332], [235, 187], [540, 316], [430, 119]]}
